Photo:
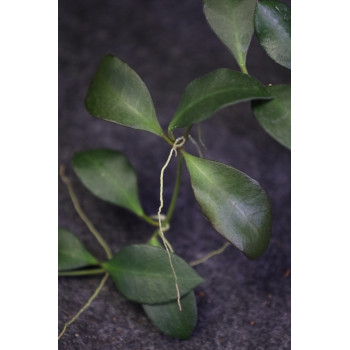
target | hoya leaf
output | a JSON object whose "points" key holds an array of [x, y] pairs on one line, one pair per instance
{"points": [[218, 89], [72, 253], [109, 176], [170, 320], [236, 205], [275, 115], [233, 22], [142, 273], [117, 94], [272, 27]]}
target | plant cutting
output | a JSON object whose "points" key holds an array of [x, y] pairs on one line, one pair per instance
{"points": [[150, 273]]}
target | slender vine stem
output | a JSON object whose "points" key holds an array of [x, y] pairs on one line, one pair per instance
{"points": [[175, 191], [187, 131], [244, 69], [149, 220], [210, 255], [167, 139], [81, 272], [98, 289], [81, 213]]}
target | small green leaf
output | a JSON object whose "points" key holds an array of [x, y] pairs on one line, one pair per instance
{"points": [[218, 89], [272, 27], [275, 115], [72, 254], [233, 22], [236, 205], [142, 273], [117, 94], [109, 176], [170, 320]]}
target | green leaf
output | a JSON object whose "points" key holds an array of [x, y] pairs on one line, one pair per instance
{"points": [[236, 205], [109, 176], [275, 115], [218, 89], [272, 27], [170, 320], [72, 254], [117, 94], [142, 273], [233, 22]]}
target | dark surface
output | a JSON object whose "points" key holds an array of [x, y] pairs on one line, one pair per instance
{"points": [[243, 304]]}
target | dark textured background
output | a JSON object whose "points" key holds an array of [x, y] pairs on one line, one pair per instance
{"points": [[243, 304]]}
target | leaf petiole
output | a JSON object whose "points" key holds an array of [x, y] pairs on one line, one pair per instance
{"points": [[81, 272]]}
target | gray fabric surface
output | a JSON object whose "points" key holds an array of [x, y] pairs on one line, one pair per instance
{"points": [[243, 304]]}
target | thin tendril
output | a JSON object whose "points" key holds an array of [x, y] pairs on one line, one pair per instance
{"points": [[199, 133], [81, 213], [210, 255], [93, 296], [196, 145], [179, 142]]}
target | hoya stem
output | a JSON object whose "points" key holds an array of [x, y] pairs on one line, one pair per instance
{"points": [[210, 255], [176, 190], [167, 139], [82, 215], [81, 272], [98, 289], [149, 220], [244, 69]]}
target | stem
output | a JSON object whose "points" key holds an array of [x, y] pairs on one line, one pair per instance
{"points": [[187, 131], [244, 69], [166, 138], [82, 215], [210, 255], [100, 286], [81, 272], [176, 190], [149, 220]]}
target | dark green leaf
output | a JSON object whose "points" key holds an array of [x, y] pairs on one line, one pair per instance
{"points": [[233, 23], [235, 204], [274, 115], [170, 320], [272, 27], [142, 273], [118, 94], [109, 176], [218, 89], [72, 254]]}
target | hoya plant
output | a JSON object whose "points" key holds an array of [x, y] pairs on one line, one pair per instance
{"points": [[151, 273]]}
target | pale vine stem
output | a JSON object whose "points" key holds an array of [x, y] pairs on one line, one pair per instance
{"points": [[98, 237], [93, 296], [210, 255], [179, 142], [199, 134], [195, 143], [82, 215]]}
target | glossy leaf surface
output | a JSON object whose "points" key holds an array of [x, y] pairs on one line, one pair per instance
{"points": [[72, 253], [142, 273], [170, 320], [272, 27], [117, 94], [218, 89], [109, 176], [236, 205], [275, 115], [233, 22]]}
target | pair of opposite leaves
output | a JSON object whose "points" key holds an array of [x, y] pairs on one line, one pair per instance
{"points": [[118, 94], [142, 274]]}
